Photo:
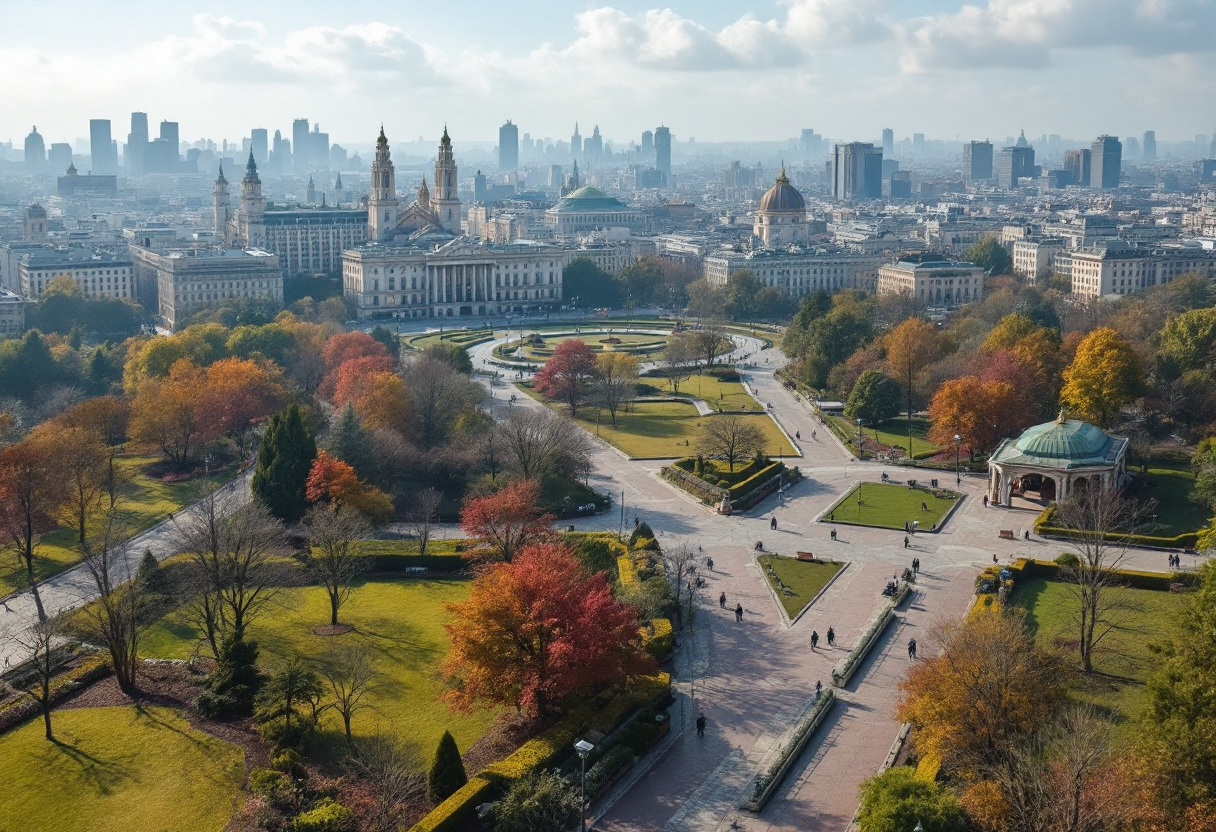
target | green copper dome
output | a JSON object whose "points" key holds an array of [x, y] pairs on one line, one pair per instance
{"points": [[588, 198], [1064, 443]]}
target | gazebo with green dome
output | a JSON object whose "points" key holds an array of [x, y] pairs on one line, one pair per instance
{"points": [[1056, 459]]}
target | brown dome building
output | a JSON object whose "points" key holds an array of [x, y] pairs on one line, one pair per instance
{"points": [[781, 218]]}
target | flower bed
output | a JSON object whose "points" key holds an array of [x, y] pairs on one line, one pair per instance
{"points": [[844, 671], [766, 783]]}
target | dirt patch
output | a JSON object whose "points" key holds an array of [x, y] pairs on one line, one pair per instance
{"points": [[332, 629], [508, 733]]}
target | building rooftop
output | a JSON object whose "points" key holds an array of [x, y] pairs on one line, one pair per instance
{"points": [[588, 198], [1062, 444]]}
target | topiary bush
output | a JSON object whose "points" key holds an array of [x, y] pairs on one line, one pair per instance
{"points": [[541, 802], [639, 531], [1068, 559], [328, 815], [446, 775]]}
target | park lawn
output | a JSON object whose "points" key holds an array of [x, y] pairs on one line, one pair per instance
{"points": [[117, 769], [144, 501], [402, 622], [893, 432], [803, 578], [1122, 659], [1171, 487], [663, 430], [727, 395], [890, 505]]}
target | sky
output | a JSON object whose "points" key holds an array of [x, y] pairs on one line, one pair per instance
{"points": [[713, 70]]}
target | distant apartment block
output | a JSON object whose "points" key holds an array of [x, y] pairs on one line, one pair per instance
{"points": [[1117, 267], [933, 282], [12, 315], [187, 280]]}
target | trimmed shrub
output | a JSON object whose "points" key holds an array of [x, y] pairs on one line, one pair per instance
{"points": [[661, 641], [452, 814], [1068, 559], [639, 531], [540, 802], [446, 775], [327, 816]]}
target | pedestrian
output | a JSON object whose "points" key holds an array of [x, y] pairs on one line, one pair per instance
{"points": [[739, 613], [1026, 534], [722, 600], [923, 506], [710, 563], [831, 637], [994, 560], [833, 534], [773, 524], [985, 501], [814, 434], [916, 566], [797, 434], [814, 639], [905, 541], [700, 725], [912, 648], [818, 689]]}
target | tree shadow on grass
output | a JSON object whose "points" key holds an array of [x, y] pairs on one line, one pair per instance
{"points": [[105, 776]]}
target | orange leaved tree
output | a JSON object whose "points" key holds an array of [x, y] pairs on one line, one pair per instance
{"points": [[330, 480], [536, 629], [505, 520]]}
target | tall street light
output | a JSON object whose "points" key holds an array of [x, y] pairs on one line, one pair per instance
{"points": [[859, 453], [958, 448], [584, 748]]}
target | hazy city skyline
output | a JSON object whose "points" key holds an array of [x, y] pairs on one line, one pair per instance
{"points": [[713, 70]]}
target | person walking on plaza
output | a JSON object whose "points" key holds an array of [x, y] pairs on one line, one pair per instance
{"points": [[773, 524], [739, 613], [905, 541], [700, 725], [814, 639], [833, 534], [818, 689], [722, 600], [915, 566], [912, 648], [831, 637]]}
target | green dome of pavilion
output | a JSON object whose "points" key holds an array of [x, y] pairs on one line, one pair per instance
{"points": [[1064, 443]]}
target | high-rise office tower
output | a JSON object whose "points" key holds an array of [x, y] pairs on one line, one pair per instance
{"points": [[508, 147], [101, 147], [1150, 146], [1014, 163], [647, 144], [259, 141], [35, 152], [1105, 163], [318, 148], [137, 145], [662, 152], [59, 158], [576, 143], [977, 161], [169, 134], [888, 142], [857, 171], [918, 143], [593, 147], [1077, 163], [299, 141], [1133, 147]]}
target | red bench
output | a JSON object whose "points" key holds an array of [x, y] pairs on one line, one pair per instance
{"points": [[806, 556], [1006, 534]]}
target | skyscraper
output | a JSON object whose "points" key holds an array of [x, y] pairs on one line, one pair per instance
{"points": [[977, 161], [1150, 145], [259, 141], [857, 171], [593, 147], [1106, 160], [1014, 163], [576, 143], [35, 152], [169, 133], [647, 144], [59, 157], [662, 152], [918, 144], [1077, 163], [299, 142], [101, 147], [136, 155], [888, 142], [508, 147]]}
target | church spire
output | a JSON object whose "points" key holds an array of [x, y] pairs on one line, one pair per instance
{"points": [[251, 169], [220, 180]]}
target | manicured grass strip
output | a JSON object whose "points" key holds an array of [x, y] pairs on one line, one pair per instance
{"points": [[1177, 514], [890, 505], [400, 620], [803, 578], [144, 501], [1122, 659], [118, 769], [668, 429], [718, 394], [893, 432]]}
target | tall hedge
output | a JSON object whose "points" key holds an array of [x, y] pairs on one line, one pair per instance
{"points": [[284, 461], [446, 775]]}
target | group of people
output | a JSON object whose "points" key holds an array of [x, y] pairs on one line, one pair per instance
{"points": [[1175, 561], [738, 607], [815, 638]]}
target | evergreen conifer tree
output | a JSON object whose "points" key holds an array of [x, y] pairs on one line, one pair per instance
{"points": [[349, 442], [284, 460], [446, 775]]}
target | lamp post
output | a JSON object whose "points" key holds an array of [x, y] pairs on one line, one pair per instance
{"points": [[859, 453], [958, 447], [584, 748]]}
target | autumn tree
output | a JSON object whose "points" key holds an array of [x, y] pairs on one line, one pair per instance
{"points": [[537, 443], [330, 480], [342, 348], [332, 557], [679, 360], [988, 686], [730, 437], [988, 253], [875, 398], [616, 381], [240, 392], [1105, 375], [710, 339], [568, 374], [80, 460], [911, 347], [106, 417], [114, 618], [30, 492], [168, 413], [505, 521], [284, 461], [438, 395], [38, 643], [973, 409], [379, 397], [537, 629], [897, 800]]}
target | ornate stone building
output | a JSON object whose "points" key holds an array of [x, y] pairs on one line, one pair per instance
{"points": [[781, 218]]}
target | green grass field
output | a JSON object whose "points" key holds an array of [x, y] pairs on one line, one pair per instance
{"points": [[889, 506], [803, 578], [727, 395], [1122, 659], [659, 430], [402, 621], [893, 432], [118, 769], [1171, 487], [145, 502]]}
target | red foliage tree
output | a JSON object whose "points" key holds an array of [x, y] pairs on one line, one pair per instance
{"points": [[342, 348], [240, 391], [537, 629], [505, 521], [568, 374], [378, 394], [333, 481], [339, 383]]}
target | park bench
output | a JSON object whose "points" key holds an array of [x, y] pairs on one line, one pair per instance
{"points": [[1006, 534], [806, 556]]}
